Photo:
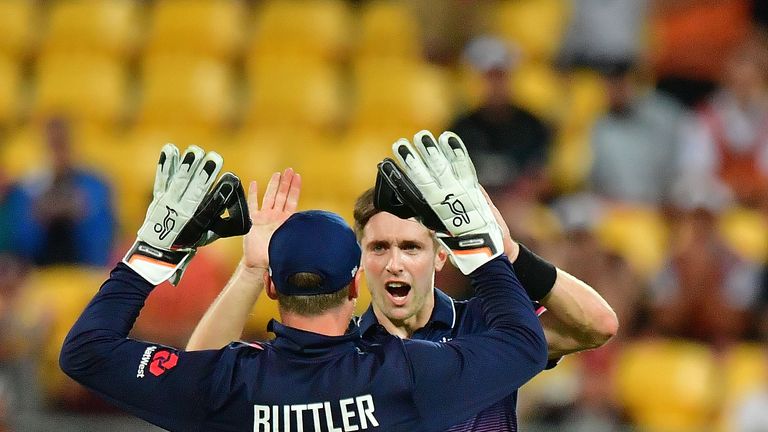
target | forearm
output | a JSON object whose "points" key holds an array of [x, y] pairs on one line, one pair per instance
{"points": [[577, 317], [105, 322], [225, 319]]}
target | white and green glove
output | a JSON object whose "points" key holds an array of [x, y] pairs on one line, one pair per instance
{"points": [[184, 215], [435, 181]]}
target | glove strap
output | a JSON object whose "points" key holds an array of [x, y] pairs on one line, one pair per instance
{"points": [[155, 265], [475, 244]]}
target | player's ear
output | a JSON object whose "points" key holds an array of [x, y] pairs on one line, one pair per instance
{"points": [[440, 257], [354, 286], [270, 287]]}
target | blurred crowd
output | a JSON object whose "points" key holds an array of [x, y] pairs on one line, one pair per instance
{"points": [[625, 141]]}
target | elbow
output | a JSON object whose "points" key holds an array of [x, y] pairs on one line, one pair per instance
{"points": [[67, 359], [74, 358], [539, 348], [604, 327]]}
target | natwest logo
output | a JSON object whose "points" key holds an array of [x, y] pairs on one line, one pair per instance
{"points": [[163, 361]]}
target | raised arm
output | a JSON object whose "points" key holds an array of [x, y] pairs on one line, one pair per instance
{"points": [[225, 319], [460, 378], [160, 384], [577, 317]]}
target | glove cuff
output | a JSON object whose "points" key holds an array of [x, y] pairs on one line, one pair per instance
{"points": [[155, 265], [470, 251]]}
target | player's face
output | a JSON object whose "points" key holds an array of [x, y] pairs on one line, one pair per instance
{"points": [[400, 259]]}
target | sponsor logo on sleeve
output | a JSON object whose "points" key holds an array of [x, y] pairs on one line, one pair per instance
{"points": [[162, 361]]}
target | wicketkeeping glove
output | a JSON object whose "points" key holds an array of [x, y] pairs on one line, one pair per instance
{"points": [[184, 215], [435, 181]]}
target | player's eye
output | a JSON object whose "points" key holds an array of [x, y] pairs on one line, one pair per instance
{"points": [[377, 247], [411, 247]]}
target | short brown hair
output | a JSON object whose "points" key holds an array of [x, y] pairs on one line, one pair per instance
{"points": [[364, 211], [314, 304]]}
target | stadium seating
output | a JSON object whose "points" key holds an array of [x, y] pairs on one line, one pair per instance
{"points": [[286, 93], [668, 385], [746, 232], [314, 29], [18, 19], [182, 90], [537, 26], [101, 27], [52, 299], [81, 86], [10, 90], [639, 234], [196, 27], [388, 29], [401, 96]]}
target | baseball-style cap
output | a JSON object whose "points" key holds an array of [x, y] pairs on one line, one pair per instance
{"points": [[313, 241], [487, 53]]}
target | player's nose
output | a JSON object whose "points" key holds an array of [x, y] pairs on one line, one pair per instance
{"points": [[394, 263]]}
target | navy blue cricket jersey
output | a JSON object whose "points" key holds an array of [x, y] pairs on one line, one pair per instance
{"points": [[304, 381], [452, 319]]}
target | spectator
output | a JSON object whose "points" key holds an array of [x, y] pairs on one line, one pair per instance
{"points": [[603, 33], [508, 144], [61, 214], [634, 144], [727, 140], [690, 42], [705, 292]]}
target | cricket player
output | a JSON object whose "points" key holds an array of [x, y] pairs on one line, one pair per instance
{"points": [[318, 374], [399, 259]]}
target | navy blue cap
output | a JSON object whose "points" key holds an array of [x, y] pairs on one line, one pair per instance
{"points": [[313, 241]]}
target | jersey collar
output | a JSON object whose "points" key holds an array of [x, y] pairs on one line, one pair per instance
{"points": [[444, 313], [307, 343]]}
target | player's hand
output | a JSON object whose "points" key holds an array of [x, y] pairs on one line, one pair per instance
{"points": [[184, 215], [511, 248], [280, 201], [436, 181]]}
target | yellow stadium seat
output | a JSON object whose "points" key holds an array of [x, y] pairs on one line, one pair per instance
{"points": [[255, 154], [18, 19], [746, 232], [213, 28], [639, 234], [10, 89], [536, 26], [297, 94], [388, 29], [745, 370], [668, 385], [104, 27], [22, 152], [185, 91], [402, 96], [587, 99], [53, 298], [315, 29], [81, 86], [25, 150], [537, 87], [570, 159]]}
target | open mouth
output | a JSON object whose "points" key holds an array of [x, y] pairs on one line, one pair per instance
{"points": [[398, 291]]}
